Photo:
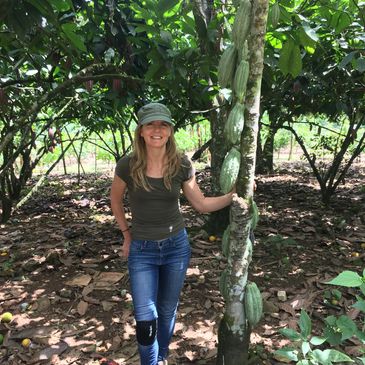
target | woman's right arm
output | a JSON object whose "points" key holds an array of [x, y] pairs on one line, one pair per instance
{"points": [[117, 191]]}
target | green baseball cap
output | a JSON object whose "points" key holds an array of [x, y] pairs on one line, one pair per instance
{"points": [[154, 111]]}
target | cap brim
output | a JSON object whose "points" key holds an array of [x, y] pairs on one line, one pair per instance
{"points": [[156, 117]]}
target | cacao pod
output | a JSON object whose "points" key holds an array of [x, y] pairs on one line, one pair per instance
{"points": [[50, 133], [89, 85], [253, 304], [241, 25], [240, 80], [225, 241], [275, 14], [226, 66], [230, 169], [117, 85], [234, 124], [255, 215]]}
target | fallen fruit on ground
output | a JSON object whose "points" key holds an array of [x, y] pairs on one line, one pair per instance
{"points": [[212, 238], [6, 317], [26, 342]]}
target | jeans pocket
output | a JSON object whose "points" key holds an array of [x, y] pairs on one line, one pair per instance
{"points": [[136, 246]]}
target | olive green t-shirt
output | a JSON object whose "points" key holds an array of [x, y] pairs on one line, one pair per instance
{"points": [[155, 214]]}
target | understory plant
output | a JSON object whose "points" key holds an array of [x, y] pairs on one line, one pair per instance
{"points": [[307, 349]]}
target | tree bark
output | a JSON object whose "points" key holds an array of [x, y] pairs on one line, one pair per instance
{"points": [[234, 329]]}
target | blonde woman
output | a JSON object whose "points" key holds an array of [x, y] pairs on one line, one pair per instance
{"points": [[156, 245]]}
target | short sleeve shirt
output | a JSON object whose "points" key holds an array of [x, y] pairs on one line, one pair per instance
{"points": [[156, 213]]}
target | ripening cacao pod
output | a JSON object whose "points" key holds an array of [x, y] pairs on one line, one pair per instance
{"points": [[240, 80], [50, 133], [234, 124], [223, 284], [253, 304], [226, 66], [275, 14], [225, 241], [89, 85], [117, 85], [230, 169], [241, 25]]}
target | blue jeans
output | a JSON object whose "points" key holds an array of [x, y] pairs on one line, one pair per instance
{"points": [[157, 272]]}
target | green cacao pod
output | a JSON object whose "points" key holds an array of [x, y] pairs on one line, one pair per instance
{"points": [[253, 304], [255, 215], [275, 14], [227, 66], [240, 80], [230, 169], [223, 284], [241, 25], [234, 124], [225, 241], [248, 249]]}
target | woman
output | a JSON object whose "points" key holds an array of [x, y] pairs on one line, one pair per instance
{"points": [[156, 245]]}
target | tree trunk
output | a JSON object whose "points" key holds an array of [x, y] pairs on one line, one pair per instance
{"points": [[267, 161], [234, 329]]}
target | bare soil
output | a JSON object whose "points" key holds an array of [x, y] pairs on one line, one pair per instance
{"points": [[67, 287]]}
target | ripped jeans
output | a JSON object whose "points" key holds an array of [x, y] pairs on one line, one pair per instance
{"points": [[157, 272]]}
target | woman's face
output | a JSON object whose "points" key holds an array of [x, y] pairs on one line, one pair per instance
{"points": [[156, 133]]}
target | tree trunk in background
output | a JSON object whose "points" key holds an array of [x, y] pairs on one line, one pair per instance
{"points": [[218, 220], [234, 330], [204, 12], [266, 163]]}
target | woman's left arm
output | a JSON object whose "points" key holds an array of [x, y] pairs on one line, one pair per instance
{"points": [[201, 203]]}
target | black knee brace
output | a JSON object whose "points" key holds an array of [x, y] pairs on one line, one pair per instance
{"points": [[146, 332]]}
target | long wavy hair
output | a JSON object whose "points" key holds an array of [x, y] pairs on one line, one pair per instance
{"points": [[138, 162]]}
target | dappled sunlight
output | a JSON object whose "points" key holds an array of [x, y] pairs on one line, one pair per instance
{"points": [[63, 261]]}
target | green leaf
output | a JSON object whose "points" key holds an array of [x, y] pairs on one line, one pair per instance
{"points": [[305, 324], [76, 40], [360, 305], [305, 348], [347, 327], [290, 334], [164, 5], [337, 356], [362, 359], [290, 61], [349, 279], [316, 341], [310, 32], [346, 60], [61, 5], [360, 64], [42, 6], [288, 353], [323, 357]]}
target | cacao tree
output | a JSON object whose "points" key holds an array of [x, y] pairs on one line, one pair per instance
{"points": [[324, 80], [241, 69]]}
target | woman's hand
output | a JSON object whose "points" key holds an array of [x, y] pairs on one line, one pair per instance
{"points": [[125, 248]]}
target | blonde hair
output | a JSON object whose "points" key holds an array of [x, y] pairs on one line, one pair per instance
{"points": [[138, 162]]}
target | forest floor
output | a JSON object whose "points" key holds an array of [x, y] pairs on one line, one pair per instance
{"points": [[64, 282]]}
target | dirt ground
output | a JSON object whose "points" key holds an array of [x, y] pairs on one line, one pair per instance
{"points": [[64, 282]]}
